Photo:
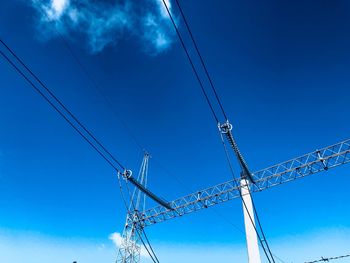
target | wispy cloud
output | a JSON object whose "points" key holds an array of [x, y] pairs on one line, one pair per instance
{"points": [[102, 23]]}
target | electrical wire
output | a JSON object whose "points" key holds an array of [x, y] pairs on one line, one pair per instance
{"points": [[201, 59], [267, 254], [328, 259], [145, 246], [191, 62], [152, 254], [215, 211], [260, 226], [56, 99], [35, 87], [84, 70], [56, 109], [222, 109], [149, 244]]}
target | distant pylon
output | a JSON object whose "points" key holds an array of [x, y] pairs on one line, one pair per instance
{"points": [[129, 250]]}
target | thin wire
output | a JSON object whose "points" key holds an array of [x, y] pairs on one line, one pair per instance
{"points": [[240, 194], [55, 107], [122, 193], [69, 121], [201, 59], [61, 104], [143, 242], [216, 95], [214, 210], [137, 230], [222, 216], [144, 233], [260, 226], [328, 259], [191, 62]]}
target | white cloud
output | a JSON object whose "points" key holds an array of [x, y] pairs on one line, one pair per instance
{"points": [[116, 239], [163, 10], [155, 34], [58, 7], [103, 24]]}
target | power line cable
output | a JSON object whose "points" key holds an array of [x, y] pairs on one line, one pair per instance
{"points": [[201, 59], [260, 226], [154, 259], [57, 100], [220, 104], [172, 175], [328, 259], [244, 204], [149, 244], [191, 62], [58, 110], [151, 253]]}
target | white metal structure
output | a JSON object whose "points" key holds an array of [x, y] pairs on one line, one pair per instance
{"points": [[311, 163], [249, 222], [299, 167], [130, 248]]}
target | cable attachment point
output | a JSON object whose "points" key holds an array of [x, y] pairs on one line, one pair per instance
{"points": [[127, 174], [226, 127]]}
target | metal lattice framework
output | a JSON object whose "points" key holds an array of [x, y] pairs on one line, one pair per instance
{"points": [[130, 248], [314, 162]]}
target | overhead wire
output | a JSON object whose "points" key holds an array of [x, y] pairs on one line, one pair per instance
{"points": [[106, 154], [149, 244], [241, 197], [154, 259], [57, 110], [82, 126], [267, 253], [260, 226], [219, 214], [328, 259], [191, 62], [201, 59], [57, 100], [151, 253]]}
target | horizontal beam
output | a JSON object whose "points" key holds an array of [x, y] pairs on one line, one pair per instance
{"points": [[311, 163]]}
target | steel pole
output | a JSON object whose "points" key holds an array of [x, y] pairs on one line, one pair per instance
{"points": [[249, 222]]}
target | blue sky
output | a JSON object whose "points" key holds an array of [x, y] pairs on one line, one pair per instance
{"points": [[281, 68]]}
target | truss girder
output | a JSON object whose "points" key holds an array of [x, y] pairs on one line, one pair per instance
{"points": [[314, 162]]}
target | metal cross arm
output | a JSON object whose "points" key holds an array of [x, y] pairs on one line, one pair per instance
{"points": [[128, 176], [314, 162]]}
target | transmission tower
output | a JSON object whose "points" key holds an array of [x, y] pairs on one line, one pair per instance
{"points": [[129, 250]]}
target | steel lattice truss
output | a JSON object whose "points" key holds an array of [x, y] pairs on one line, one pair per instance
{"points": [[299, 167]]}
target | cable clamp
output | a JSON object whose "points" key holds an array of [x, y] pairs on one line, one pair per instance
{"points": [[127, 174], [226, 127]]}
